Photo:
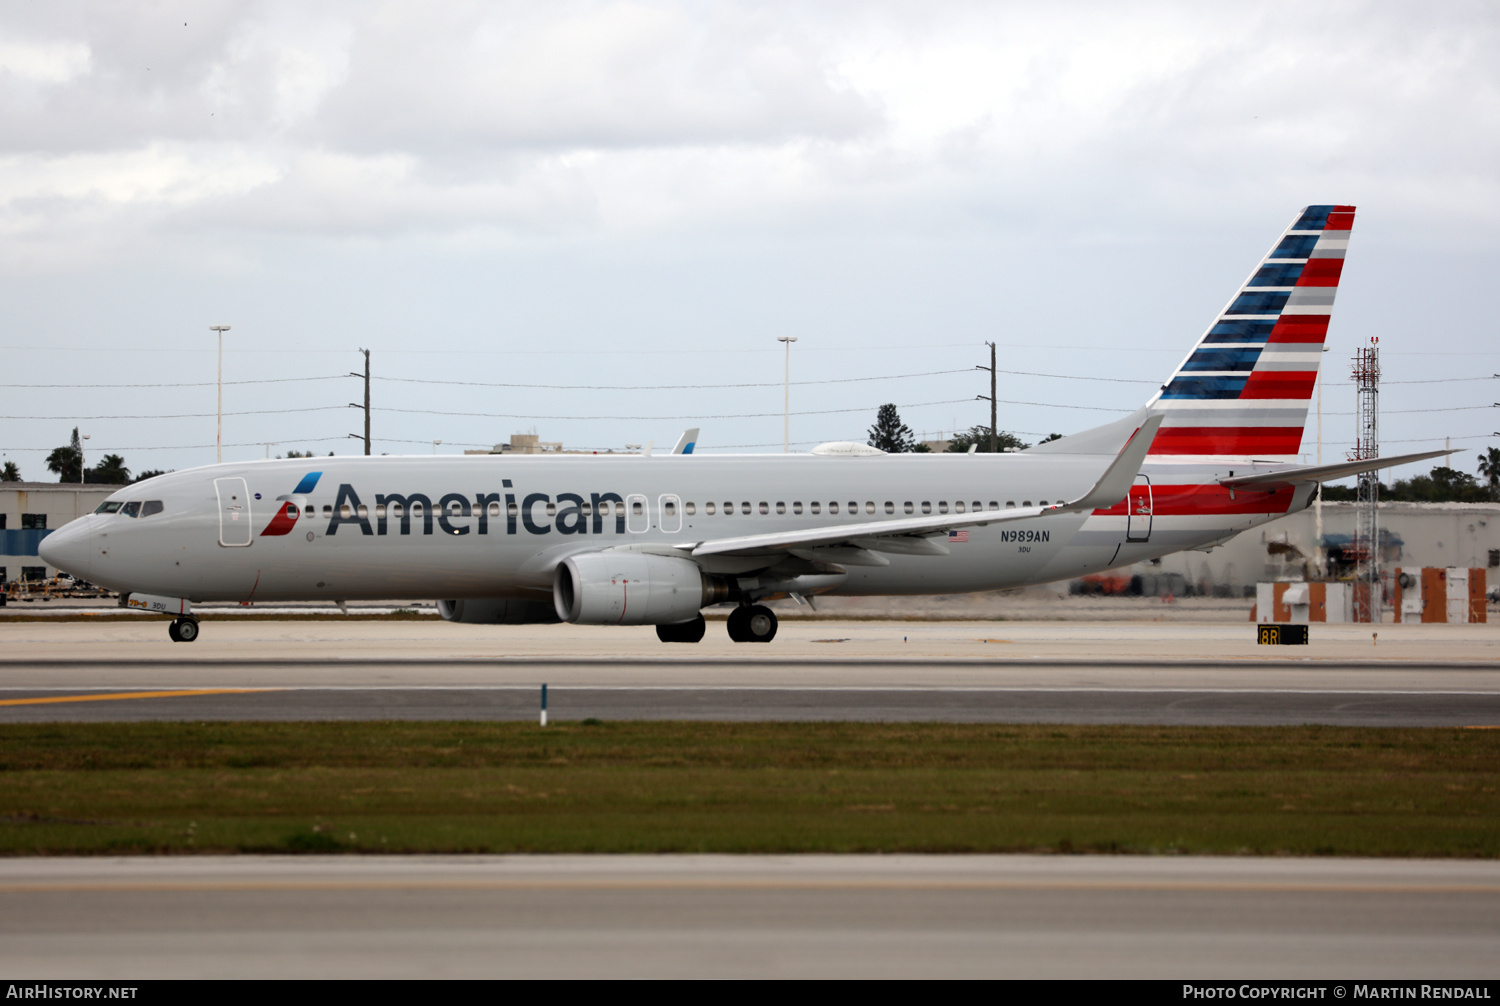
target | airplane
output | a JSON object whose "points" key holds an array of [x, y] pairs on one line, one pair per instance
{"points": [[654, 540]]}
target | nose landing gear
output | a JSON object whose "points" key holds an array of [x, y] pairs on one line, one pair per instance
{"points": [[753, 623], [183, 630]]}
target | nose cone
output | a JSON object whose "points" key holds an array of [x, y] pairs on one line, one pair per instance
{"points": [[69, 548]]}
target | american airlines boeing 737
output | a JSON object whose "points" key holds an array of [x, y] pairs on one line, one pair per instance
{"points": [[641, 540]]}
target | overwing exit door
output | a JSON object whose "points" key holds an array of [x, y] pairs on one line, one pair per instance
{"points": [[1138, 510]]}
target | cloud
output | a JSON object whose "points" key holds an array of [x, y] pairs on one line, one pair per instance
{"points": [[620, 120]]}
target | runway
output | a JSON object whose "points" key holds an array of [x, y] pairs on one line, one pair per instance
{"points": [[960, 672], [719, 916]]}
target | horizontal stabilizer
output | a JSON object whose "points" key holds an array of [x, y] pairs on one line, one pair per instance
{"points": [[1327, 473]]}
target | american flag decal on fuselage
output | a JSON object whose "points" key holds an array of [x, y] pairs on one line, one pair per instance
{"points": [[1245, 388]]}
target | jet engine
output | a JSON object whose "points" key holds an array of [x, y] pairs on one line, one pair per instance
{"points": [[497, 611], [633, 588]]}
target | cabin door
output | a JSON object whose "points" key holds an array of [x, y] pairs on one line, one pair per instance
{"points": [[234, 512], [1138, 510]]}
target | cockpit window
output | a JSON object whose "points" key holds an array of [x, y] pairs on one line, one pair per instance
{"points": [[109, 506], [150, 507], [132, 509]]}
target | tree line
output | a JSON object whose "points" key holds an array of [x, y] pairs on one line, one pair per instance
{"points": [[65, 462], [893, 436]]}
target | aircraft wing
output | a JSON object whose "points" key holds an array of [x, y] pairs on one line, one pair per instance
{"points": [[907, 534], [1325, 473]]}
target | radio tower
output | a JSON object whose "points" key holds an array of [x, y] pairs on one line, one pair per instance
{"points": [[1367, 591]]}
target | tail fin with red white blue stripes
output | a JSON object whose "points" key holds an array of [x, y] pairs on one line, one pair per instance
{"points": [[1244, 390]]}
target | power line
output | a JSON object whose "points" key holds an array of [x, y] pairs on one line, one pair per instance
{"points": [[182, 415], [657, 387], [190, 384]]}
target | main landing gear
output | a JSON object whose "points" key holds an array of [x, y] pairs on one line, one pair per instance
{"points": [[683, 632], [183, 630], [753, 623]]}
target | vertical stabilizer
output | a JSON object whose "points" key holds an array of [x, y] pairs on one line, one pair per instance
{"points": [[1244, 389]]}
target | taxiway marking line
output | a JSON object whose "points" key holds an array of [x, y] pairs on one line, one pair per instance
{"points": [[710, 884], [46, 700]]}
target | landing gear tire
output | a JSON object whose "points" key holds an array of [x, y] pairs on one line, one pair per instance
{"points": [[753, 624], [183, 630], [683, 632]]}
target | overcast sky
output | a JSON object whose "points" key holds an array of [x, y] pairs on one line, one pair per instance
{"points": [[601, 195]]}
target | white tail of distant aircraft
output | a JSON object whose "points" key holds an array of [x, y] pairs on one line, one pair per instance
{"points": [[632, 540]]}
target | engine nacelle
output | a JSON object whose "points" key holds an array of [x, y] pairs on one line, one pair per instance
{"points": [[497, 611], [633, 588]]}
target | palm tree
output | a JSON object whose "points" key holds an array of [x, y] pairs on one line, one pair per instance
{"points": [[1489, 467], [10, 473], [65, 461]]}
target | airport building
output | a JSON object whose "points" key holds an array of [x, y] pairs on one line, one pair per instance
{"points": [[29, 511], [1411, 535]]}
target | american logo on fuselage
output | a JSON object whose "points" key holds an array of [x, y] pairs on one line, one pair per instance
{"points": [[286, 517], [459, 514]]}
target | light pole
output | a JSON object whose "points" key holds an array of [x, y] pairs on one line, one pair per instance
{"points": [[435, 446], [219, 442], [786, 419], [81, 468]]}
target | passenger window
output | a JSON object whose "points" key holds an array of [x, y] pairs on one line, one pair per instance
{"points": [[909, 506], [942, 506], [587, 508], [958, 507], [765, 507], [109, 506], [815, 507], [327, 509], [636, 506], [670, 509], [833, 506], [132, 509], [1010, 504], [397, 510], [709, 508], [291, 510], [345, 511], [690, 508], [780, 507], [728, 508], [977, 506], [364, 511], [854, 506], [151, 507], [869, 506], [890, 507], [927, 506], [1026, 503], [511, 509], [745, 507], [994, 504], [494, 509], [1042, 503], [797, 507], [552, 508]]}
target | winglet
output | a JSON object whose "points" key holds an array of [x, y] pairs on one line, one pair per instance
{"points": [[1117, 479], [686, 442]]}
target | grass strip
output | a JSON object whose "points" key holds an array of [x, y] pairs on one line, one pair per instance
{"points": [[745, 787]]}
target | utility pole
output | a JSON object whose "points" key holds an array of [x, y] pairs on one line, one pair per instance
{"points": [[355, 405], [786, 419], [219, 443], [994, 431]]}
